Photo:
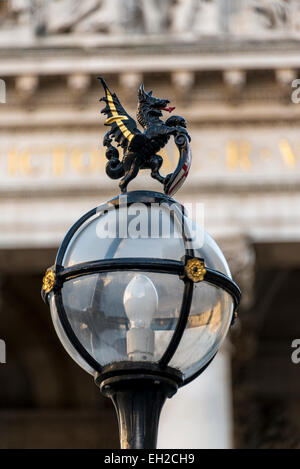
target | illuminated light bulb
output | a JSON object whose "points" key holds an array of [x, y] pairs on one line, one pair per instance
{"points": [[140, 302]]}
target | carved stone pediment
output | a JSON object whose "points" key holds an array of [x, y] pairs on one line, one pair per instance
{"points": [[92, 16], [15, 12], [241, 18]]}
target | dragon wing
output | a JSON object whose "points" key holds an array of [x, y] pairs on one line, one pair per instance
{"points": [[123, 127]]}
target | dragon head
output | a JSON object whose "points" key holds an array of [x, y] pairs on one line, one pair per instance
{"points": [[150, 107]]}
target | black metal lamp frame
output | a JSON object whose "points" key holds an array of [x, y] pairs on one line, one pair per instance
{"points": [[147, 385]]}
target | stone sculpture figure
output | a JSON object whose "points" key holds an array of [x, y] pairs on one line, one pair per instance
{"points": [[153, 17]]}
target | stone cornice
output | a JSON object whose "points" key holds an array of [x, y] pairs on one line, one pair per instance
{"points": [[199, 114], [65, 61], [145, 44]]}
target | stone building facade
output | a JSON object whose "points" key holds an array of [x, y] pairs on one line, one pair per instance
{"points": [[231, 68]]}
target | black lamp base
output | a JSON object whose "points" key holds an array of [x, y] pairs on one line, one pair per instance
{"points": [[138, 399]]}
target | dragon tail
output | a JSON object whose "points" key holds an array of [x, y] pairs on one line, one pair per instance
{"points": [[114, 169]]}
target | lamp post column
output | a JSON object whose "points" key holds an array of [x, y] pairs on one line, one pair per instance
{"points": [[138, 400]]}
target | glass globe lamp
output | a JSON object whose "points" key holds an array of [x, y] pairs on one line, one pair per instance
{"points": [[141, 299]]}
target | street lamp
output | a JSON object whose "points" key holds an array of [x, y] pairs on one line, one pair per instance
{"points": [[141, 298]]}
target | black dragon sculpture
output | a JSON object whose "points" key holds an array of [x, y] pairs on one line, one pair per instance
{"points": [[140, 149]]}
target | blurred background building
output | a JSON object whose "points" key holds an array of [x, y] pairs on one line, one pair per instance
{"points": [[229, 67]]}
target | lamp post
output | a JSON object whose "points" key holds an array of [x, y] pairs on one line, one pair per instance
{"points": [[141, 298]]}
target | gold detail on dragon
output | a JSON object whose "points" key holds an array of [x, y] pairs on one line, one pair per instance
{"points": [[195, 270], [117, 118], [48, 281]]}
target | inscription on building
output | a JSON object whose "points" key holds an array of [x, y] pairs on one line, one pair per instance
{"points": [[251, 153]]}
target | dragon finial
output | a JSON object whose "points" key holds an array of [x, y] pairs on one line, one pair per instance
{"points": [[140, 149]]}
